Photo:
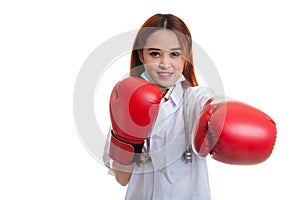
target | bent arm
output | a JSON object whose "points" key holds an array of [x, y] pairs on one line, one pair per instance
{"points": [[122, 173]]}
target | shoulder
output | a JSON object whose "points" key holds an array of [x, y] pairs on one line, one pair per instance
{"points": [[196, 97], [199, 92]]}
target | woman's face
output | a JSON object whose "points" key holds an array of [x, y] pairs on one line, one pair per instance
{"points": [[162, 58]]}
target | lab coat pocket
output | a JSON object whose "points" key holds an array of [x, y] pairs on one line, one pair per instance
{"points": [[178, 170]]}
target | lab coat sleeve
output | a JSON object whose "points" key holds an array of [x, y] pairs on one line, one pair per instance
{"points": [[106, 159]]}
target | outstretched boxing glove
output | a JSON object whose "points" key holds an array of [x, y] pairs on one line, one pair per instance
{"points": [[134, 105], [234, 133]]}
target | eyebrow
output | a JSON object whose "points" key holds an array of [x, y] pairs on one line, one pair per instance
{"points": [[156, 49]]}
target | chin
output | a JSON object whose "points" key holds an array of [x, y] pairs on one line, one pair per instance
{"points": [[164, 85]]}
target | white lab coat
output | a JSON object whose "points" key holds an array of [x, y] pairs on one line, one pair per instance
{"points": [[166, 175]]}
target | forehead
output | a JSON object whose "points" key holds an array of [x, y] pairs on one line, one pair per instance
{"points": [[162, 39]]}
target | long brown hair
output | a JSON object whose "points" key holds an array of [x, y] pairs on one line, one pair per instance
{"points": [[170, 22]]}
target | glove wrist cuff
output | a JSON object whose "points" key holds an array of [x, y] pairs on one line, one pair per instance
{"points": [[124, 152]]}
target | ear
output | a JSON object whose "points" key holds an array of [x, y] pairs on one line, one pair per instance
{"points": [[140, 54]]}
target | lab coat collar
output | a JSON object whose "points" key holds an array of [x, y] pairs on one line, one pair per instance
{"points": [[177, 94]]}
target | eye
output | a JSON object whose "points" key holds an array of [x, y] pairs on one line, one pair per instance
{"points": [[175, 54], [154, 54]]}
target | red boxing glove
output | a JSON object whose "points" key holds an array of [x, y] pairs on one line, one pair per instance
{"points": [[134, 105], [234, 133]]}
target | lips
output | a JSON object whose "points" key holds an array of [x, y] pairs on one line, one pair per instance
{"points": [[165, 75]]}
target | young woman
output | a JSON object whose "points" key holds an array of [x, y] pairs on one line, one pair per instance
{"points": [[162, 54], [155, 111]]}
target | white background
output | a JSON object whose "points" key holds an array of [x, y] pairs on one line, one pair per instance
{"points": [[254, 45]]}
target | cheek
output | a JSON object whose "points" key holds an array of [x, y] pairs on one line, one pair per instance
{"points": [[179, 67], [150, 67]]}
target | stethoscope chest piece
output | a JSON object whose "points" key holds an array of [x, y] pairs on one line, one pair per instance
{"points": [[187, 155]]}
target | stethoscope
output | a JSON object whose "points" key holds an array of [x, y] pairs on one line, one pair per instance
{"points": [[187, 155]]}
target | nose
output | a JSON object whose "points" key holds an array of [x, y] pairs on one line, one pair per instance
{"points": [[165, 63]]}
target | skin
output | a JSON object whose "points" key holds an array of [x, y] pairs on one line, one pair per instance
{"points": [[122, 173], [163, 61], [162, 58]]}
